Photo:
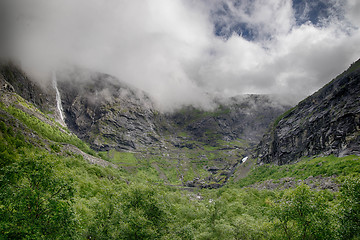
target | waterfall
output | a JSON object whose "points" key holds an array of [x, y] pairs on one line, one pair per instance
{"points": [[58, 98]]}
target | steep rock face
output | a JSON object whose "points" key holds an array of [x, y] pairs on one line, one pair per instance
{"points": [[41, 96], [246, 117], [105, 113], [109, 114], [328, 122], [189, 147], [203, 145]]}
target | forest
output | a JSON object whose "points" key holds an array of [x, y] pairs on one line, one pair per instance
{"points": [[48, 192]]}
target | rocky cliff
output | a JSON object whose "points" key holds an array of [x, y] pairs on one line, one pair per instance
{"points": [[109, 114], [190, 146], [106, 113], [327, 122], [243, 117], [42, 96]]}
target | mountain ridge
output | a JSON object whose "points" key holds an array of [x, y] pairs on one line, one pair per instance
{"points": [[324, 123], [205, 147], [53, 185]]}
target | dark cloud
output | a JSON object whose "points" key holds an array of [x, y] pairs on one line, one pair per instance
{"points": [[186, 51]]}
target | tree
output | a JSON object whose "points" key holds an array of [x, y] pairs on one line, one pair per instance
{"points": [[144, 213], [34, 201], [350, 209], [304, 214]]}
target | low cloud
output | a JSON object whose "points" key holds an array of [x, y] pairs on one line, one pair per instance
{"points": [[185, 51]]}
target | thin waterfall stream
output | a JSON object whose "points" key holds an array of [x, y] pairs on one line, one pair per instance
{"points": [[58, 97]]}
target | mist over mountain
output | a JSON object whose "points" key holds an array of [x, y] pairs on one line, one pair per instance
{"points": [[91, 144], [112, 116], [325, 123], [214, 73], [181, 51], [181, 119]]}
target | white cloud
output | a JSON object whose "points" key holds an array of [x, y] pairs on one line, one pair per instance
{"points": [[353, 9], [168, 48]]}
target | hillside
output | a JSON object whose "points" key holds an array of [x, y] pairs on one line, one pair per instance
{"points": [[189, 147], [325, 123], [54, 185]]}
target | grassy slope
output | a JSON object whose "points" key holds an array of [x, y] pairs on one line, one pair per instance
{"points": [[325, 166], [108, 203], [94, 193], [179, 166]]}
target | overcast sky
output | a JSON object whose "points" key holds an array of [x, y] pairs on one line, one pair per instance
{"points": [[182, 51]]}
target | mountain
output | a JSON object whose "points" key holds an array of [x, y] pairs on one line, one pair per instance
{"points": [[106, 113], [327, 122], [43, 96], [54, 186], [109, 114], [189, 146]]}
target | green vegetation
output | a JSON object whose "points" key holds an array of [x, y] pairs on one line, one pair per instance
{"points": [[50, 193], [116, 157], [326, 166], [304, 214], [47, 195], [47, 131], [35, 199], [350, 209]]}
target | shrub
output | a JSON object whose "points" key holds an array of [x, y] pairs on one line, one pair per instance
{"points": [[350, 209]]}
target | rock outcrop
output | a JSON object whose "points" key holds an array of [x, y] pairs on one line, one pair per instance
{"points": [[41, 96], [105, 113], [203, 148], [244, 117], [111, 115], [328, 122]]}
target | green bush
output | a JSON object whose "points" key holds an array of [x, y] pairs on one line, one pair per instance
{"points": [[35, 201], [47, 131], [304, 214], [58, 195], [326, 166], [350, 209]]}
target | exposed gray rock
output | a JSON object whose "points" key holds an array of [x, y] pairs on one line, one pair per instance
{"points": [[111, 115], [88, 157], [42, 96], [328, 122], [246, 117], [107, 114]]}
